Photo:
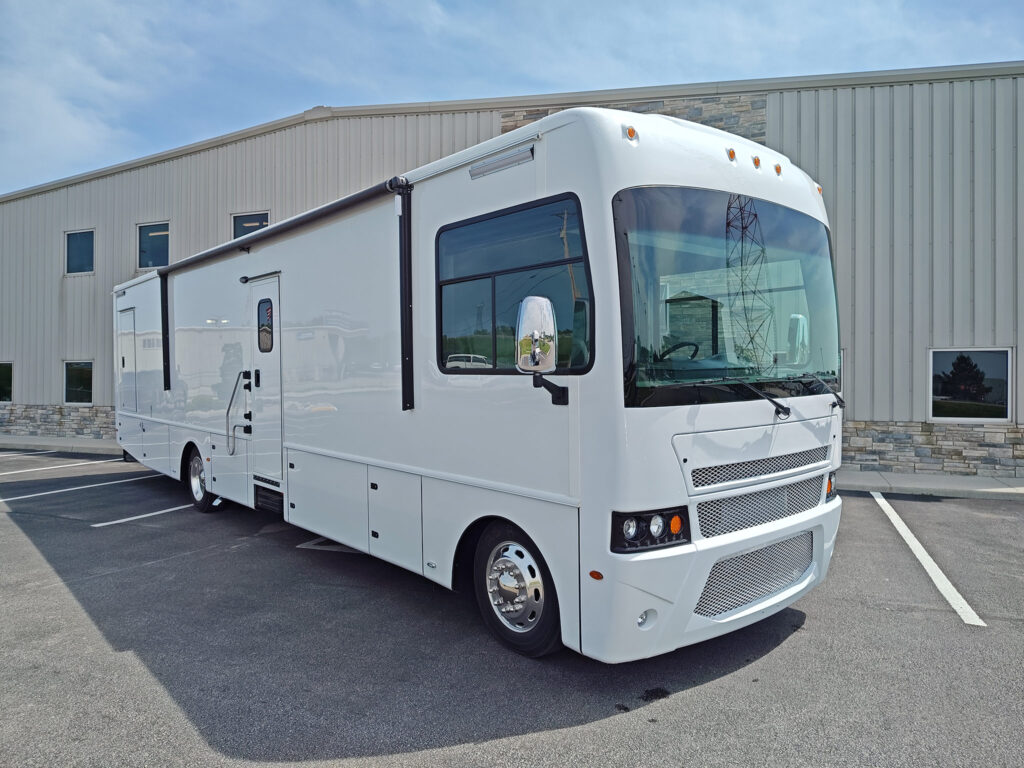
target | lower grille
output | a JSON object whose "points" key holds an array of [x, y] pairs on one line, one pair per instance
{"points": [[735, 513], [744, 579]]}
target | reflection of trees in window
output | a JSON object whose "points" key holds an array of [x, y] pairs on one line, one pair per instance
{"points": [[965, 380], [971, 385]]}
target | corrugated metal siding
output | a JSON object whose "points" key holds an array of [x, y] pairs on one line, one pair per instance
{"points": [[923, 184], [48, 318]]}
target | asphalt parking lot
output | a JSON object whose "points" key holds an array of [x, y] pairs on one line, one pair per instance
{"points": [[233, 638]]}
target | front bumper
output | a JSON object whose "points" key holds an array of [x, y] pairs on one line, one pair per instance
{"points": [[707, 588]]}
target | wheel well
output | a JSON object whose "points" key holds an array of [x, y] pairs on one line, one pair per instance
{"points": [[185, 453], [462, 567]]}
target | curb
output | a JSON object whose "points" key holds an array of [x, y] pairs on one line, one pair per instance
{"points": [[87, 445]]}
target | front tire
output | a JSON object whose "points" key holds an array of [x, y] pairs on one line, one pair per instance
{"points": [[195, 482], [514, 591]]}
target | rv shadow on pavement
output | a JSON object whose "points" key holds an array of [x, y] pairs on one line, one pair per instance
{"points": [[276, 652]]}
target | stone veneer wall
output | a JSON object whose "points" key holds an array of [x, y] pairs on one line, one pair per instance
{"points": [[992, 450], [744, 114], [57, 420]]}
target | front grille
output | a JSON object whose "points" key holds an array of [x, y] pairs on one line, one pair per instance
{"points": [[734, 513], [744, 579], [724, 473]]}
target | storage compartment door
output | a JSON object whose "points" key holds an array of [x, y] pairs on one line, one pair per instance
{"points": [[396, 524], [327, 496]]}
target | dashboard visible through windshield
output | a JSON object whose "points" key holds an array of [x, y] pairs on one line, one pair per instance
{"points": [[716, 287]]}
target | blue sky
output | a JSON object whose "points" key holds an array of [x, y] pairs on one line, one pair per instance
{"points": [[89, 83]]}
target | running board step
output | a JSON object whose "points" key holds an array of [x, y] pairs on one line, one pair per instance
{"points": [[268, 500]]}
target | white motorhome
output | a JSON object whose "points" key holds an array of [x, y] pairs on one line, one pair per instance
{"points": [[587, 369]]}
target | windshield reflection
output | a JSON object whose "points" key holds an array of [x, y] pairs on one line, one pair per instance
{"points": [[719, 286]]}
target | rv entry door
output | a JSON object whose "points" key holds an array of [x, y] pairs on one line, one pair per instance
{"points": [[266, 382]]}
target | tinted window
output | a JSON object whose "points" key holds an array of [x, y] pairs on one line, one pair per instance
{"points": [[153, 240], [249, 222], [265, 325], [970, 384], [467, 318], [6, 375], [486, 268], [77, 382], [79, 252], [547, 233]]}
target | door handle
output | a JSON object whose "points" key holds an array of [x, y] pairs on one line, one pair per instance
{"points": [[257, 377]]}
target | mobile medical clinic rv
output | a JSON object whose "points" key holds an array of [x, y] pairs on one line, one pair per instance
{"points": [[587, 369]]}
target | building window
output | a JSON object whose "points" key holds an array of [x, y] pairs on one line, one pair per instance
{"points": [[153, 240], [78, 252], [970, 385], [244, 223], [486, 266], [6, 381], [78, 383]]}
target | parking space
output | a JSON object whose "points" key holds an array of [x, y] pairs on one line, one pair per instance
{"points": [[189, 639]]}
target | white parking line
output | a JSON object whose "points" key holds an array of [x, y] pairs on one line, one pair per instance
{"points": [[59, 466], [80, 487], [139, 517], [953, 597], [29, 453]]}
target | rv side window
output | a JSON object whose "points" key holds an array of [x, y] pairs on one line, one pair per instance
{"points": [[265, 325], [486, 266]]}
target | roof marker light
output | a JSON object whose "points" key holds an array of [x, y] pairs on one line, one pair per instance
{"points": [[819, 189], [731, 154], [757, 162], [778, 169], [629, 133]]}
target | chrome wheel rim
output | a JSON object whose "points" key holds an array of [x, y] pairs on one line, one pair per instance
{"points": [[197, 478], [514, 585]]}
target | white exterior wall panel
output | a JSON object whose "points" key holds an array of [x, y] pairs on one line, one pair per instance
{"points": [[922, 182], [66, 317]]}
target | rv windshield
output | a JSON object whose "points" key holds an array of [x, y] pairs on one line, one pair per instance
{"points": [[717, 286]]}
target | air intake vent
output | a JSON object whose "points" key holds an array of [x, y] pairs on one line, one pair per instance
{"points": [[743, 580], [735, 513], [725, 473]]}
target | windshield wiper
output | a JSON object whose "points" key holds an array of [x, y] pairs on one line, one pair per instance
{"points": [[839, 401], [782, 411]]}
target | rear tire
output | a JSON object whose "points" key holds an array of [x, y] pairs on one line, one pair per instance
{"points": [[195, 481], [514, 591]]}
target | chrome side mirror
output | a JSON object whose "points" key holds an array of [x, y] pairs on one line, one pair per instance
{"points": [[799, 346], [536, 337]]}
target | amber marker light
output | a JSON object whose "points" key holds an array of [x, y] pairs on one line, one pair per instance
{"points": [[757, 161], [731, 153], [819, 189], [675, 524], [596, 575], [778, 169], [828, 489]]}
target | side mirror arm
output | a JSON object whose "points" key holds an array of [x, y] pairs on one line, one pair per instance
{"points": [[559, 395]]}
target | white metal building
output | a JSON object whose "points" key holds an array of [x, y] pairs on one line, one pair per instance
{"points": [[923, 177]]}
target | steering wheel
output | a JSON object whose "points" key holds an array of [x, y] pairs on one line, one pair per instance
{"points": [[679, 344]]}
